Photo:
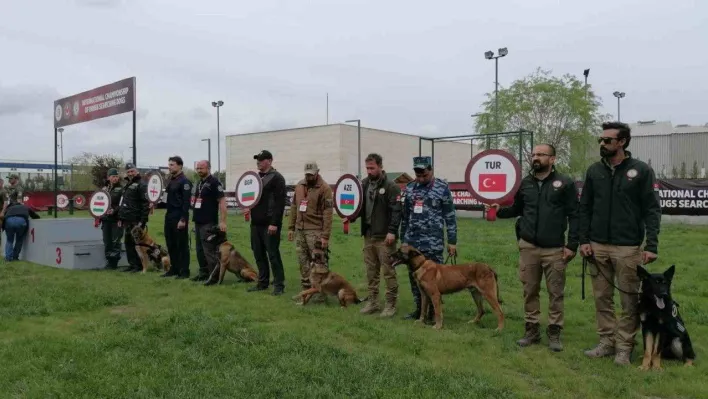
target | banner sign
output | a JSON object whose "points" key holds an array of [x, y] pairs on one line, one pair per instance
{"points": [[683, 196], [112, 99]]}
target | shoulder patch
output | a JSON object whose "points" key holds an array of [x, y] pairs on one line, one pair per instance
{"points": [[328, 203], [220, 188], [187, 186]]}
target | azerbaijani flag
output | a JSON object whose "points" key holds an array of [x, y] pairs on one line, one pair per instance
{"points": [[346, 201], [248, 196]]}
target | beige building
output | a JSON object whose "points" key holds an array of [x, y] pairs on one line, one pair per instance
{"points": [[334, 147]]}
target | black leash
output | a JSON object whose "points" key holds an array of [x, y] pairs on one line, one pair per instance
{"points": [[585, 261], [454, 259]]}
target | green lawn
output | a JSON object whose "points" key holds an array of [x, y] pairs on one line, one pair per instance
{"points": [[89, 334]]}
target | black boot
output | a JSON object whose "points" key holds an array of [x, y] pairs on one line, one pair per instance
{"points": [[416, 297]]}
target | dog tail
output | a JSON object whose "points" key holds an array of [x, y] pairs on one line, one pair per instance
{"points": [[496, 280]]}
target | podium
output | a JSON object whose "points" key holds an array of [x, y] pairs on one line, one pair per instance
{"points": [[67, 243]]}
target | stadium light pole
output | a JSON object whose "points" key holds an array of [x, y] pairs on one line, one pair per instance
{"points": [[358, 133], [217, 105], [502, 52], [208, 148], [619, 96]]}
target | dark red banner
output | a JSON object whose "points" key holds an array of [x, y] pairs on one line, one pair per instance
{"points": [[112, 99]]}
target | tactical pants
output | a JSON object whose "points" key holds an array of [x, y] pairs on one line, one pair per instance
{"points": [[112, 236], [304, 245], [266, 248], [620, 263], [177, 241], [207, 257], [377, 261], [534, 263], [130, 251], [435, 255]]}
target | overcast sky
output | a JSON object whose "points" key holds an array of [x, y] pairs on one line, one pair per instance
{"points": [[409, 66]]}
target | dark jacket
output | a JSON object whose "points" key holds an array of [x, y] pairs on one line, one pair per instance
{"points": [[271, 206], [206, 195], [386, 213], [620, 206], [19, 210], [136, 206], [179, 194], [116, 192], [546, 211]]}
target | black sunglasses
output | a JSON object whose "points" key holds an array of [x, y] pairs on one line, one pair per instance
{"points": [[606, 140]]}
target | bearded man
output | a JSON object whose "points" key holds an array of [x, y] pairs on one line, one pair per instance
{"points": [[547, 204]]}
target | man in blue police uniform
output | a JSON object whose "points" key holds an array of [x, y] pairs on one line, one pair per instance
{"points": [[179, 192], [427, 206]]}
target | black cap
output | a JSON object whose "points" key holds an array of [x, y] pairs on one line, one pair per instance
{"points": [[264, 154], [129, 166]]}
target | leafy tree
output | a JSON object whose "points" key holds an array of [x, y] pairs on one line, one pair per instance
{"points": [[694, 170], [89, 170], [560, 111], [683, 169]]}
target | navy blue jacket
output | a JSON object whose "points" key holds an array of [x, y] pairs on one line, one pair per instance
{"points": [[179, 192]]}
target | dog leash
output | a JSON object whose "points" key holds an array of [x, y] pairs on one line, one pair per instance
{"points": [[585, 262], [454, 259]]}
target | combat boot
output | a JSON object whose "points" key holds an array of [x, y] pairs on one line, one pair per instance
{"points": [[531, 336], [389, 309], [601, 350], [554, 342], [372, 306], [623, 357]]}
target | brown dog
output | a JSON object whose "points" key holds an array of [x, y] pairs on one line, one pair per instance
{"points": [[436, 280], [149, 251], [328, 283], [229, 259]]}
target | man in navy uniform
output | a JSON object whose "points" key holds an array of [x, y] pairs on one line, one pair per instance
{"points": [[179, 191]]}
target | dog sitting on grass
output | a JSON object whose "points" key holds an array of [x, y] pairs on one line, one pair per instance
{"points": [[327, 282], [228, 259]]}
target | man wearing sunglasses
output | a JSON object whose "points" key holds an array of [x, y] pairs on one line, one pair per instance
{"points": [[547, 203], [428, 210], [619, 205]]}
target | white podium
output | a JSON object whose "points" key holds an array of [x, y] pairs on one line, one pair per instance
{"points": [[67, 243]]}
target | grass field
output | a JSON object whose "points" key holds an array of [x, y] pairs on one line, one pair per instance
{"points": [[89, 334]]}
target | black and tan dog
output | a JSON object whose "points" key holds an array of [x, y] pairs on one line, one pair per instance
{"points": [[229, 259], [149, 251], [436, 280], [327, 282], [664, 333]]}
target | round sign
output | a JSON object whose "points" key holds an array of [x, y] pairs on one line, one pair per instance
{"points": [[155, 184], [99, 203], [248, 190], [79, 201], [493, 176], [62, 201], [348, 195]]}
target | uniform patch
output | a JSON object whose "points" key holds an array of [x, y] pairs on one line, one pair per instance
{"points": [[656, 186], [557, 183], [220, 189], [382, 190], [328, 203], [632, 173], [186, 186]]}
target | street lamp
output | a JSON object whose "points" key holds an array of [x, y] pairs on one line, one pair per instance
{"points": [[490, 56], [61, 138], [619, 96], [217, 105], [209, 148], [586, 73], [358, 133]]}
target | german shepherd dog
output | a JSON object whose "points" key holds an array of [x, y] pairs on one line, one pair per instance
{"points": [[663, 330], [229, 259], [149, 251], [327, 282], [436, 280]]}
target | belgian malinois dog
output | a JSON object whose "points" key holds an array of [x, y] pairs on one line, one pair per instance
{"points": [[327, 282], [229, 259], [436, 280], [150, 251], [663, 330]]}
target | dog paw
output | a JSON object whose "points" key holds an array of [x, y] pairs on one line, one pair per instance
{"points": [[475, 320], [418, 321], [689, 363], [643, 368]]}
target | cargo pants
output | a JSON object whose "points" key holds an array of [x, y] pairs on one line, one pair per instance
{"points": [[304, 245], [534, 263], [616, 263], [377, 261]]}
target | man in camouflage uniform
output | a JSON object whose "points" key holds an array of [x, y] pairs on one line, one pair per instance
{"points": [[112, 233], [310, 221], [14, 186], [427, 206]]}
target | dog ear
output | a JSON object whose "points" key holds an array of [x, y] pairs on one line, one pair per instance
{"points": [[642, 273], [669, 273]]}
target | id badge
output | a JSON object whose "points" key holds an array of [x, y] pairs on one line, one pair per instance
{"points": [[198, 203], [303, 206], [191, 200], [418, 206]]}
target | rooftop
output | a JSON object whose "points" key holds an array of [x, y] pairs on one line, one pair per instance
{"points": [[660, 128]]}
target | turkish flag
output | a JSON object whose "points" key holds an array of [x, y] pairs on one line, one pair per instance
{"points": [[492, 183]]}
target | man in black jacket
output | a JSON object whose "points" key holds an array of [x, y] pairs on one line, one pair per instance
{"points": [[619, 204], [209, 209], [547, 202], [112, 233], [380, 219], [133, 209], [266, 224], [179, 194]]}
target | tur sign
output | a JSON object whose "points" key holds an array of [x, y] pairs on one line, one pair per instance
{"points": [[493, 177]]}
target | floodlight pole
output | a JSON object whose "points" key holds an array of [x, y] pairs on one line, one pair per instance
{"points": [[619, 96], [135, 147], [208, 149], [502, 52], [217, 105]]}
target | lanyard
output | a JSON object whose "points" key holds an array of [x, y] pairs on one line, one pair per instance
{"points": [[199, 188], [432, 184]]}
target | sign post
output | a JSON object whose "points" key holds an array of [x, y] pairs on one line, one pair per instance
{"points": [[155, 186], [248, 192], [493, 177], [348, 195]]}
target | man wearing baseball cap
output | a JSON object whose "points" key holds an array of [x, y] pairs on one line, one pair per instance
{"points": [[133, 209], [14, 186]]}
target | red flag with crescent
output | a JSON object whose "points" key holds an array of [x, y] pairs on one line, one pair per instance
{"points": [[492, 183]]}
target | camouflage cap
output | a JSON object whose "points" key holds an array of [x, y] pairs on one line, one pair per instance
{"points": [[112, 172], [311, 168], [422, 162]]}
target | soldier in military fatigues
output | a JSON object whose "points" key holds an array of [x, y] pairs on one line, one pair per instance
{"points": [[427, 206], [112, 233], [14, 186]]}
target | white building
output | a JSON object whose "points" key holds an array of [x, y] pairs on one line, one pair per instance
{"points": [[334, 148]]}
